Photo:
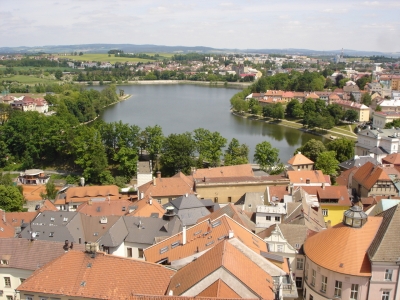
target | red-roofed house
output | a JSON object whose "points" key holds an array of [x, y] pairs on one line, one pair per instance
{"points": [[300, 162]]}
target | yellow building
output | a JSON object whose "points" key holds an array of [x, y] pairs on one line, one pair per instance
{"points": [[361, 109]]}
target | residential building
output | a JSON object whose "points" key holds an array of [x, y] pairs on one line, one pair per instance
{"points": [[95, 275], [307, 178], [300, 162], [370, 180], [361, 109], [373, 87], [357, 161], [268, 215], [336, 265], [144, 172], [392, 159], [380, 119], [390, 105], [33, 176], [21, 257], [166, 189], [377, 142]]}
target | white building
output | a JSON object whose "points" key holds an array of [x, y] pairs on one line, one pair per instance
{"points": [[267, 215]]}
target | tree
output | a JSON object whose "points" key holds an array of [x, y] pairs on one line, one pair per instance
{"points": [[312, 149], [344, 148], [11, 198], [209, 145], [378, 108], [177, 154], [351, 115], [294, 109], [236, 154], [127, 158], [58, 74], [336, 112], [265, 155], [51, 190], [363, 81], [309, 106], [278, 112], [366, 99], [327, 163]]}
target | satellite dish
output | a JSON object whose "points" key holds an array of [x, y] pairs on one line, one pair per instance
{"points": [[33, 235]]}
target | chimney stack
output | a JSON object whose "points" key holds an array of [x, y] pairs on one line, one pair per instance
{"points": [[184, 235], [154, 181], [158, 174]]}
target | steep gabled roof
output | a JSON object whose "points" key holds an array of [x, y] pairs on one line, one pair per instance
{"points": [[369, 174], [147, 208], [101, 277], [226, 256], [393, 158], [382, 247], [219, 289], [85, 193], [165, 187]]}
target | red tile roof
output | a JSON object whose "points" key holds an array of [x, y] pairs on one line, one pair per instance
{"points": [[17, 218], [299, 159], [85, 193], [105, 208], [393, 158], [226, 256], [227, 171], [102, 277], [177, 185], [315, 176], [219, 289]]}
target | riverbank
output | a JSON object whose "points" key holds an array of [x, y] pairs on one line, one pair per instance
{"points": [[238, 85], [330, 134]]}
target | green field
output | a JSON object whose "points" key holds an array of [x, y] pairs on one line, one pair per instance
{"points": [[104, 58], [27, 79]]}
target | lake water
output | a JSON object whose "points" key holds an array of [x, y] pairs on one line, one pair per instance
{"points": [[178, 108]]}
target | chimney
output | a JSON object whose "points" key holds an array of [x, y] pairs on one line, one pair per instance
{"points": [[158, 174], [151, 201], [186, 194], [231, 234], [154, 181], [89, 202], [184, 235], [323, 185], [141, 195]]}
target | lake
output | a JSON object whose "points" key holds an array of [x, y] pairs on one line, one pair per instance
{"points": [[178, 108]]}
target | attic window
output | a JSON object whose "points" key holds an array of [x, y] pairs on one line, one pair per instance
{"points": [[65, 220], [210, 243], [216, 224], [89, 265], [96, 234], [123, 208], [163, 250], [175, 244], [4, 262], [51, 234], [221, 237], [297, 246], [98, 208], [52, 219], [83, 283], [197, 232]]}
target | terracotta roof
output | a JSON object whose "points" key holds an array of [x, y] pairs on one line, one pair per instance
{"points": [[105, 208], [219, 289], [301, 176], [102, 277], [145, 209], [227, 171], [202, 237], [6, 229], [31, 255], [85, 193], [393, 158], [368, 174], [47, 205], [152, 297], [384, 247], [224, 255], [233, 211], [165, 187], [345, 178], [343, 249], [300, 159], [16, 219], [330, 193], [277, 192]]}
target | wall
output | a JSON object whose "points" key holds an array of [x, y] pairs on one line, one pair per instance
{"points": [[335, 213], [347, 281], [135, 249], [379, 284], [15, 277]]}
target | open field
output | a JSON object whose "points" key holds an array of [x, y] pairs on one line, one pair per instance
{"points": [[27, 79], [104, 58]]}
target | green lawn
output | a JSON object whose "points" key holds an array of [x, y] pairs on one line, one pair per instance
{"points": [[27, 79], [103, 58]]}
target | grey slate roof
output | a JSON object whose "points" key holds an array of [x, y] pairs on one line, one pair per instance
{"points": [[30, 255], [385, 246], [93, 227], [189, 209], [115, 235], [378, 150], [358, 161], [144, 230], [55, 226], [251, 200]]}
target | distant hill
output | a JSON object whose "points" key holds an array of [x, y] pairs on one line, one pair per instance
{"points": [[104, 48]]}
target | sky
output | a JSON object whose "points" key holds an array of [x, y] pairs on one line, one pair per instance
{"points": [[234, 24]]}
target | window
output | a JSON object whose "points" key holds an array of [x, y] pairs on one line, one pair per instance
{"points": [[324, 212], [279, 248], [12, 298], [311, 297], [277, 219], [140, 253], [7, 282], [4, 262], [299, 282], [229, 199], [388, 274], [338, 289], [159, 201], [314, 273], [268, 218], [324, 282], [29, 298], [354, 292], [306, 271], [385, 295], [129, 252], [51, 234], [300, 263]]}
